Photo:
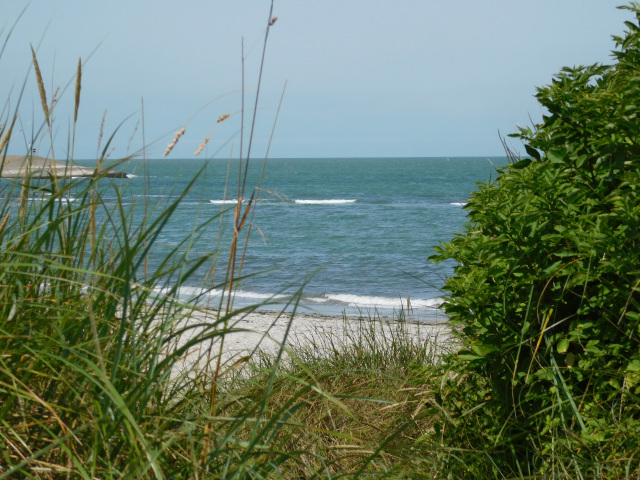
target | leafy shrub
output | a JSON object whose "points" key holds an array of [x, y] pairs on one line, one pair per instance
{"points": [[546, 294]]}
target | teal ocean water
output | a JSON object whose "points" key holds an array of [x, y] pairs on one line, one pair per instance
{"points": [[355, 233]]}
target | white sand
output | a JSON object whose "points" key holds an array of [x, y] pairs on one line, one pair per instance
{"points": [[17, 166], [265, 331]]}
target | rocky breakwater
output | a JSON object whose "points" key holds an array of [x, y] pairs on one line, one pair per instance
{"points": [[18, 166]]}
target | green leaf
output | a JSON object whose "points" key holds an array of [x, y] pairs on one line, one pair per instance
{"points": [[563, 346], [556, 156], [532, 152], [468, 357], [521, 164], [554, 267], [634, 366]]}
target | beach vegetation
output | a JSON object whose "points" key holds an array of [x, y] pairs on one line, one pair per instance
{"points": [[545, 296], [106, 373], [349, 399], [95, 344]]}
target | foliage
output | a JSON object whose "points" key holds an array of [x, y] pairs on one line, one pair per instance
{"points": [[546, 293], [94, 346], [105, 374], [351, 399]]}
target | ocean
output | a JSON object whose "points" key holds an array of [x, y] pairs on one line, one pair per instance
{"points": [[351, 234]]}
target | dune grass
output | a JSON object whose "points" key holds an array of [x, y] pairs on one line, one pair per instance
{"points": [[93, 381], [351, 399], [88, 386]]}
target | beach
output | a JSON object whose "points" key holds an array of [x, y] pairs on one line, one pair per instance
{"points": [[18, 166], [263, 332]]}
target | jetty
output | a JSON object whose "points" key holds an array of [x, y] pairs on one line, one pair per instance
{"points": [[18, 166]]}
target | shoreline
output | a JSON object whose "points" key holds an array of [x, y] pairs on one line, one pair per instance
{"points": [[427, 311], [18, 166], [262, 332]]}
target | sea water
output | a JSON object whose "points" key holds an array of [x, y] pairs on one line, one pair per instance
{"points": [[348, 235]]}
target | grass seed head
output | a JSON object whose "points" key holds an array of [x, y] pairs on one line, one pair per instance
{"points": [[202, 145], [179, 133], [78, 87], [54, 99], [7, 136], [43, 92]]}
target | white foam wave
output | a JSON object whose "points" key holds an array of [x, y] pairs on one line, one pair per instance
{"points": [[383, 302], [325, 202], [259, 296], [221, 202], [48, 197], [458, 204], [191, 292]]}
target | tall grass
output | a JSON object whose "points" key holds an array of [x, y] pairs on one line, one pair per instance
{"points": [[98, 377], [88, 384], [348, 399]]}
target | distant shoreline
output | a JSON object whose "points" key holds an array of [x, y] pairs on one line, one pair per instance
{"points": [[19, 166]]}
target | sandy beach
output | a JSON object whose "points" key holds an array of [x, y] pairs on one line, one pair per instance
{"points": [[17, 166], [264, 331]]}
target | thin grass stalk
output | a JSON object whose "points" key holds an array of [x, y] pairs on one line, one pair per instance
{"points": [[237, 223], [100, 135], [264, 165], [242, 110], [24, 196], [243, 181], [8, 36], [4, 222], [228, 284], [7, 137], [212, 272], [76, 105], [145, 181], [255, 108], [92, 226]]}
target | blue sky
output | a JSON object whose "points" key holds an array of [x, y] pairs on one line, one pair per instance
{"points": [[364, 77]]}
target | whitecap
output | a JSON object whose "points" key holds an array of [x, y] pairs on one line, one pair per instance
{"points": [[185, 292], [222, 202], [383, 302], [336, 201]]}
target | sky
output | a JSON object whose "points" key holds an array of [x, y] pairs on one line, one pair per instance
{"points": [[361, 78]]}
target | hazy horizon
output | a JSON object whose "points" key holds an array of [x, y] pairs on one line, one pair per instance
{"points": [[364, 78]]}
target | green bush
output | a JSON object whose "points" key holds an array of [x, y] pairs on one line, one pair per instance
{"points": [[546, 291]]}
